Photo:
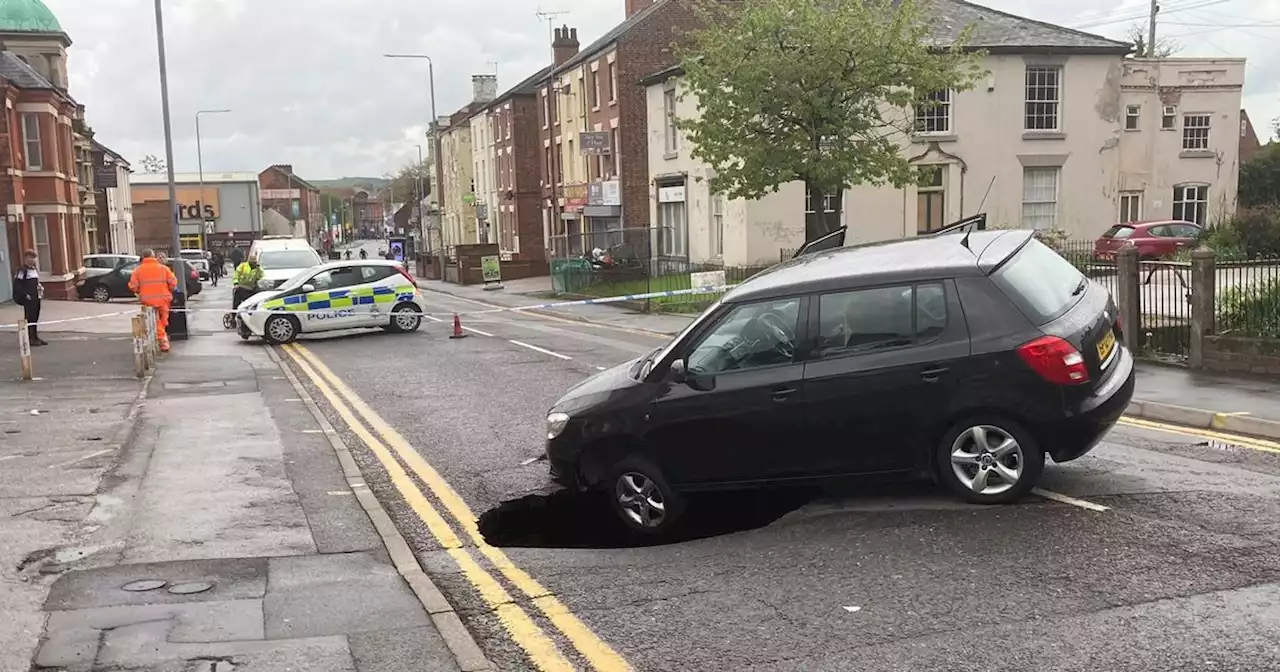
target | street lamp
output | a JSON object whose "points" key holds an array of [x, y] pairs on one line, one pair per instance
{"points": [[174, 242], [200, 163], [418, 188], [438, 187]]}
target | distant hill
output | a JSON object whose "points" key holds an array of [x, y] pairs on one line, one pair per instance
{"points": [[349, 182]]}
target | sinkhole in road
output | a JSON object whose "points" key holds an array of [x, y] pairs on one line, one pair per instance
{"points": [[569, 519]]}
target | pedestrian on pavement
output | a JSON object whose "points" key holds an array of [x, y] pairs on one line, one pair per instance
{"points": [[216, 265], [348, 255], [237, 257], [247, 276], [154, 283], [364, 254], [28, 292]]}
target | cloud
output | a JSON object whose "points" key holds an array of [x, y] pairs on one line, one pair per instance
{"points": [[308, 85]]}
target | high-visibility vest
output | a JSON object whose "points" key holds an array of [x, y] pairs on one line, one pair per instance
{"points": [[153, 283]]}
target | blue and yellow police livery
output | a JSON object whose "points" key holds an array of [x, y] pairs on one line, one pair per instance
{"points": [[334, 296]]}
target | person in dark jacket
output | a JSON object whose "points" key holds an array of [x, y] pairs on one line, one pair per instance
{"points": [[27, 292]]}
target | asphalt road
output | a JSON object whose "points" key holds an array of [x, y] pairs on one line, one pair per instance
{"points": [[1179, 572]]}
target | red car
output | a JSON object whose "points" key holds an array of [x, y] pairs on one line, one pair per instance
{"points": [[1154, 240]]}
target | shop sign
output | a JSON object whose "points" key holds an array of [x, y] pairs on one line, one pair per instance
{"points": [[671, 194], [612, 192], [280, 194], [595, 143]]}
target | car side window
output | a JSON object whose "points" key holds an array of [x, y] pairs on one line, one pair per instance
{"points": [[1162, 231], [127, 269], [375, 273], [336, 278], [751, 336], [1186, 231], [883, 317]]}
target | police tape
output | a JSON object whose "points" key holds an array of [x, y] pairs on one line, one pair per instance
{"points": [[711, 289]]}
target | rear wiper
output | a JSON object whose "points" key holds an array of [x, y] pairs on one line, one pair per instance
{"points": [[1080, 287]]}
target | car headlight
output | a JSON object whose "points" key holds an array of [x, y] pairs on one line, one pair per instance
{"points": [[556, 422]]}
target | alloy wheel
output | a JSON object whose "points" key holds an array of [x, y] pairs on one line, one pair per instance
{"points": [[641, 499], [281, 330], [987, 460], [101, 294], [406, 320]]}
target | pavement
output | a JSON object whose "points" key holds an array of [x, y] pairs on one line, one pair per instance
{"points": [[204, 519], [1157, 551]]}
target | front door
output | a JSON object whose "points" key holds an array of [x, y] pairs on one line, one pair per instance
{"points": [[738, 416], [887, 364], [330, 305]]}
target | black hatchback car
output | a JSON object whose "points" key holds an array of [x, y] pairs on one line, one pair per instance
{"points": [[114, 284], [963, 358]]}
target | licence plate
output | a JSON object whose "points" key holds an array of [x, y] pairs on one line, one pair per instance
{"points": [[1106, 344]]}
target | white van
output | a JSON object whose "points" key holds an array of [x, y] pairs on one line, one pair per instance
{"points": [[281, 259]]}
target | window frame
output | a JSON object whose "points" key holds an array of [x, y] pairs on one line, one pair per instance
{"points": [[1169, 118], [924, 115], [33, 161], [44, 250], [1054, 104], [673, 237], [1179, 205], [940, 169], [716, 210], [815, 320], [613, 82], [1137, 215], [671, 134], [686, 347], [1057, 194], [1133, 117], [1191, 134]]}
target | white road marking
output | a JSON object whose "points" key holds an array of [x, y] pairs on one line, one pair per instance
{"points": [[477, 331], [10, 457], [1069, 500], [537, 349], [601, 368], [82, 459], [433, 318]]}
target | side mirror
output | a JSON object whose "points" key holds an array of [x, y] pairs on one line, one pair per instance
{"points": [[308, 287], [676, 372]]}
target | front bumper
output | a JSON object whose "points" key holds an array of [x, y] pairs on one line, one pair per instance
{"points": [[1095, 416], [254, 321]]}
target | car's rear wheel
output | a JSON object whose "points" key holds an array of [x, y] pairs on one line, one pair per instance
{"points": [[281, 329], [640, 495], [101, 294], [404, 319], [989, 460]]}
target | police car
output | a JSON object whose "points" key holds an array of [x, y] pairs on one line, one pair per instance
{"points": [[333, 296]]}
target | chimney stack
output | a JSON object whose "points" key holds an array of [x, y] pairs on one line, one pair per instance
{"points": [[484, 88], [565, 45], [636, 6]]}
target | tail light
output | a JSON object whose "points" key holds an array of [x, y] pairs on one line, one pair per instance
{"points": [[1120, 324], [1055, 360], [405, 272]]}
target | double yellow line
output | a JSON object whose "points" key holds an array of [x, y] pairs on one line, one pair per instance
{"points": [[389, 445]]}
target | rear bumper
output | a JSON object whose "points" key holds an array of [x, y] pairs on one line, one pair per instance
{"points": [[1092, 418]]}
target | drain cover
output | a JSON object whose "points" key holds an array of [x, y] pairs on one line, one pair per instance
{"points": [[190, 588], [143, 586]]}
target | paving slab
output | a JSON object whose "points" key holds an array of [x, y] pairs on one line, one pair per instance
{"points": [[304, 591], [232, 578]]}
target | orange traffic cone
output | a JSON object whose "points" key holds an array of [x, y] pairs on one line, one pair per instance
{"points": [[457, 328]]}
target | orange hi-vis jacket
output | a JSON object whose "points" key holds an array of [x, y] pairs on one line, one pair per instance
{"points": [[153, 282]]}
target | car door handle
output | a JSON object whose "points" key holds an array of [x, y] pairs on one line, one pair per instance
{"points": [[932, 375], [783, 394]]}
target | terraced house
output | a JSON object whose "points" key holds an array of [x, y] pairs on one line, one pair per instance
{"points": [[1067, 132]]}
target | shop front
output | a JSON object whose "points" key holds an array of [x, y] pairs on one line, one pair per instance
{"points": [[603, 214]]}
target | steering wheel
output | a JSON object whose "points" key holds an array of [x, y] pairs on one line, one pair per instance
{"points": [[783, 336]]}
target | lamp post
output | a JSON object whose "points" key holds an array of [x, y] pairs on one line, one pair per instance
{"points": [[418, 189], [174, 242], [200, 165], [437, 188]]}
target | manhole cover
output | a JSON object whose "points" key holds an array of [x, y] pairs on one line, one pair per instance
{"points": [[190, 588], [143, 586]]}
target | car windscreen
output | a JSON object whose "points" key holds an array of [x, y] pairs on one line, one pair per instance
{"points": [[289, 259], [1040, 282], [194, 254], [1118, 232]]}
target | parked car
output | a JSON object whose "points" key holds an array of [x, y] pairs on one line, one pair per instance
{"points": [[967, 358], [115, 283], [101, 264], [282, 259], [335, 296], [1154, 240], [198, 259]]}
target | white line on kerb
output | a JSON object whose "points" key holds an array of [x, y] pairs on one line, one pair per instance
{"points": [[537, 349], [1069, 500]]}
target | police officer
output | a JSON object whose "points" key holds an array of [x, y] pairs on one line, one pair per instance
{"points": [[28, 292], [246, 279]]}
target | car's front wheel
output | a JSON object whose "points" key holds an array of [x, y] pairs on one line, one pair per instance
{"points": [[101, 294], [281, 329], [989, 460], [404, 319], [640, 495]]}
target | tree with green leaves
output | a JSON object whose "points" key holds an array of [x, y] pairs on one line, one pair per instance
{"points": [[1164, 47], [153, 164], [821, 91], [404, 185]]}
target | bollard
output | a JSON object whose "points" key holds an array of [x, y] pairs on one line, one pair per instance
{"points": [[139, 346], [153, 343], [24, 350]]}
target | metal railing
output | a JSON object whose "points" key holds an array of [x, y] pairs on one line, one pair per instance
{"points": [[1247, 298]]}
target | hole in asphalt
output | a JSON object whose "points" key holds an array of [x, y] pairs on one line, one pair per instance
{"points": [[569, 519]]}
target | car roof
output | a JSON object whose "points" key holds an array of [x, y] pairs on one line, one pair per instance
{"points": [[283, 244], [887, 262], [358, 262], [1155, 222]]}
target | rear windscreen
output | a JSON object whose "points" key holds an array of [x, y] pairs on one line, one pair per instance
{"points": [[1040, 283], [1118, 232]]}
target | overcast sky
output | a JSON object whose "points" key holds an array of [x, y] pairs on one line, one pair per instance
{"points": [[307, 84]]}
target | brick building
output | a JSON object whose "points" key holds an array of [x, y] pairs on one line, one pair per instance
{"points": [[293, 197], [516, 161], [1249, 143], [594, 95]]}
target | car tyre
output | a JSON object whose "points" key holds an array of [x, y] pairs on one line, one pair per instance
{"points": [[641, 496], [989, 460], [101, 294], [281, 329], [402, 323]]}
